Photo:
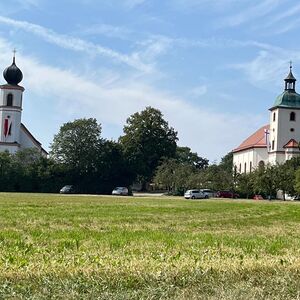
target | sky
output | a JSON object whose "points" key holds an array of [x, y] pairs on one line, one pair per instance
{"points": [[213, 67]]}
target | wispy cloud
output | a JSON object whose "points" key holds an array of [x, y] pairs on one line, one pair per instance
{"points": [[112, 101], [107, 30], [77, 44], [287, 13], [268, 68], [254, 11]]}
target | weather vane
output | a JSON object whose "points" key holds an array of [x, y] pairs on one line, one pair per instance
{"points": [[291, 65]]}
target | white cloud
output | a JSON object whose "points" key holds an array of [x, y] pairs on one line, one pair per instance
{"points": [[294, 10], [107, 30], [269, 67], [77, 44], [254, 11], [210, 133]]}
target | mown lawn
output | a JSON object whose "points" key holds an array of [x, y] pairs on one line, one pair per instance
{"points": [[96, 247]]}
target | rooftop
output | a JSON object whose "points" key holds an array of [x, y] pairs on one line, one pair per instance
{"points": [[256, 140]]}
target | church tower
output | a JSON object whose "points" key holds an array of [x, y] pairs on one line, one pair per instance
{"points": [[284, 122], [11, 95]]}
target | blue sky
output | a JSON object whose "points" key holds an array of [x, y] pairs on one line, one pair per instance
{"points": [[213, 67]]}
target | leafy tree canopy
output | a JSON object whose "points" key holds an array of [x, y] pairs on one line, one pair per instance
{"points": [[77, 143], [147, 139], [184, 155]]}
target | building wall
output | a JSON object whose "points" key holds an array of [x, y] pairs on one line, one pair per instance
{"points": [[10, 148], [250, 158], [26, 141], [283, 129], [277, 157]]}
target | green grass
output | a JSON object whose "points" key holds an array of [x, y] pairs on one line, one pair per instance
{"points": [[95, 247]]}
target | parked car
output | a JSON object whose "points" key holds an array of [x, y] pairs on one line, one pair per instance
{"points": [[289, 197], [208, 193], [194, 194], [120, 191], [67, 189], [227, 194], [258, 197]]}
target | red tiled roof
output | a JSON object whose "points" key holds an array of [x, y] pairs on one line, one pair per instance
{"points": [[256, 140], [291, 144]]}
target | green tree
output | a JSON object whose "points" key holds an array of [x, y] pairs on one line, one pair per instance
{"points": [[297, 181], [113, 169], [6, 172], [227, 162], [77, 144], [245, 184], [285, 178], [265, 180], [217, 178], [184, 155], [165, 174], [174, 175], [147, 139]]}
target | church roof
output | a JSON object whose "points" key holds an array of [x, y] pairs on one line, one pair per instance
{"points": [[291, 144], [256, 140], [290, 77], [12, 74], [288, 99]]}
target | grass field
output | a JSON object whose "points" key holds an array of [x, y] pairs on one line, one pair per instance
{"points": [[94, 247]]}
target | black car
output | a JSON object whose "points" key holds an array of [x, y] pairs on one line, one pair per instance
{"points": [[68, 189]]}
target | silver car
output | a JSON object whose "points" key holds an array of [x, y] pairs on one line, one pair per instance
{"points": [[208, 193], [194, 194], [121, 191]]}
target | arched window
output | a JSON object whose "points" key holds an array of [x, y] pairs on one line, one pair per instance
{"points": [[9, 100], [240, 168], [261, 164], [245, 168], [292, 116], [250, 166], [274, 117]]}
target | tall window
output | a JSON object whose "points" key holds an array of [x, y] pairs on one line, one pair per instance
{"points": [[292, 116], [245, 168], [240, 168], [9, 100], [273, 145], [250, 166], [274, 117]]}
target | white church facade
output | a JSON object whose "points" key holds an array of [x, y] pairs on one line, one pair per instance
{"points": [[277, 141], [13, 134]]}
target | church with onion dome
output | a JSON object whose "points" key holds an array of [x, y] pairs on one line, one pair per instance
{"points": [[277, 141], [14, 135]]}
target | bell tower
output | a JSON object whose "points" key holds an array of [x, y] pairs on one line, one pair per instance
{"points": [[11, 95], [284, 122]]}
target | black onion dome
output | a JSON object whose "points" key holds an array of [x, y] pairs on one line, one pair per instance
{"points": [[12, 74]]}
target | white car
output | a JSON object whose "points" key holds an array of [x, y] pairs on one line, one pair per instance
{"points": [[194, 194], [121, 191]]}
